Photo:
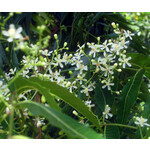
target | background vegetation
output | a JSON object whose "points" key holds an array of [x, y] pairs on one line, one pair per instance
{"points": [[77, 28]]}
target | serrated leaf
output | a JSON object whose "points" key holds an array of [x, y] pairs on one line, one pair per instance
{"points": [[22, 84], [59, 92], [61, 120], [128, 96]]}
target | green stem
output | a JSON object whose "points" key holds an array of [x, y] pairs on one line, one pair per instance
{"points": [[141, 132], [120, 125], [11, 119], [33, 95], [105, 132], [90, 78]]}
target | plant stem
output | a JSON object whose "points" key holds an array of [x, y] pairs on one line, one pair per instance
{"points": [[141, 132], [11, 122], [120, 125]]}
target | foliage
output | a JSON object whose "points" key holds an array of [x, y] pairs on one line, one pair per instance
{"points": [[74, 75]]}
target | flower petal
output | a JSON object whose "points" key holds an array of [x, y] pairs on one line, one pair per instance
{"points": [[6, 33]]}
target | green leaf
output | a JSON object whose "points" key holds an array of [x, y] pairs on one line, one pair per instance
{"points": [[61, 120], [59, 92], [103, 97], [128, 96], [112, 132], [140, 59], [22, 84]]}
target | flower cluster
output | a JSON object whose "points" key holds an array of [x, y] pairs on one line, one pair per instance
{"points": [[92, 59]]}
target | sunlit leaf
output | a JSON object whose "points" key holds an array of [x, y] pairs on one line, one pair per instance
{"points": [[60, 120], [128, 96], [59, 92]]}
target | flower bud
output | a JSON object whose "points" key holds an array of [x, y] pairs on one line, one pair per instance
{"points": [[142, 108], [117, 92], [103, 81], [134, 117], [11, 14], [61, 132], [70, 55], [44, 128], [119, 70], [98, 39], [65, 44], [7, 49], [55, 36], [70, 72], [113, 24], [88, 43], [109, 41], [124, 51], [115, 65], [93, 61], [75, 113], [43, 27], [38, 27]]}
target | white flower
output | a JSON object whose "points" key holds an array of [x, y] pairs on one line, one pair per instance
{"points": [[8, 110], [94, 50], [92, 84], [39, 122], [54, 75], [107, 58], [105, 46], [66, 58], [107, 70], [25, 59], [71, 85], [97, 63], [78, 55], [34, 48], [13, 33], [88, 104], [46, 53], [128, 34], [141, 121], [58, 61], [124, 43], [116, 48], [107, 113], [12, 71], [22, 96], [86, 90], [108, 84], [125, 60], [81, 78], [81, 67], [24, 73], [25, 113]]}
